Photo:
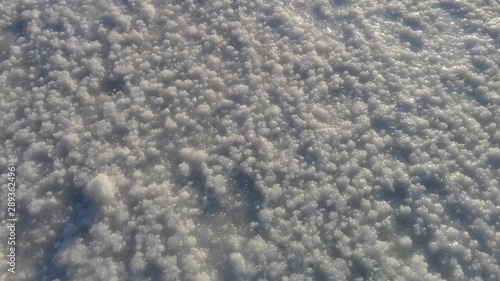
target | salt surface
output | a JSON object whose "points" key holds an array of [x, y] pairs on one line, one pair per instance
{"points": [[252, 140]]}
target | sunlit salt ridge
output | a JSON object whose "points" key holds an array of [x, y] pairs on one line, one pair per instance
{"points": [[252, 140]]}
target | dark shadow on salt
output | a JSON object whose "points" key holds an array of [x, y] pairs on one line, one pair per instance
{"points": [[153, 272], [19, 28], [309, 157], [434, 184], [396, 195], [412, 23], [380, 124], [253, 197], [109, 22], [113, 85], [494, 161], [127, 5], [416, 43], [359, 269], [274, 23], [338, 3], [84, 212], [402, 153]]}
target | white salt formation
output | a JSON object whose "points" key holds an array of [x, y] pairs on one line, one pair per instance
{"points": [[252, 140], [101, 189]]}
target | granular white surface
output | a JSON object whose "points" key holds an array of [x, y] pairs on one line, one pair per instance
{"points": [[252, 140]]}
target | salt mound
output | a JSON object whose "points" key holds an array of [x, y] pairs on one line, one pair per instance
{"points": [[102, 189]]}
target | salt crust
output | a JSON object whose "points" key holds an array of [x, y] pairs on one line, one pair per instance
{"points": [[253, 140]]}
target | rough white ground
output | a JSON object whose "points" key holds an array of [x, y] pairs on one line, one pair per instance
{"points": [[252, 140]]}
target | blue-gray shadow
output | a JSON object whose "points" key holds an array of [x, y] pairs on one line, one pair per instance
{"points": [[77, 226], [254, 199]]}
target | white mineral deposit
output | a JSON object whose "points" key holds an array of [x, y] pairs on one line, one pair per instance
{"points": [[250, 140]]}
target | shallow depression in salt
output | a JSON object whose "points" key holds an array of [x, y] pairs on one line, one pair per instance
{"points": [[252, 140]]}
